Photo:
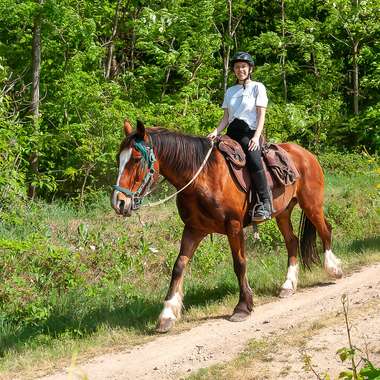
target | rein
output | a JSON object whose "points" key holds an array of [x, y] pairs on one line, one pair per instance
{"points": [[149, 156]]}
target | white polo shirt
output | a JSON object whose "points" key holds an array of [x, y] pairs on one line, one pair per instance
{"points": [[241, 103]]}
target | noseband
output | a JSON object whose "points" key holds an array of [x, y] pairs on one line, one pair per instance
{"points": [[149, 159]]}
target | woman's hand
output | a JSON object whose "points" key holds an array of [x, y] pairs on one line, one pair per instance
{"points": [[254, 143], [213, 134]]}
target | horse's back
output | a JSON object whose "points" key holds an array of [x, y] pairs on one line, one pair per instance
{"points": [[305, 161], [309, 189]]}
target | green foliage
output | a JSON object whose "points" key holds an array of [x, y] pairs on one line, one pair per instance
{"points": [[338, 162], [13, 146], [165, 67]]}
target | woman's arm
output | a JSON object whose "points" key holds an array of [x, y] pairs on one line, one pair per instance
{"points": [[223, 124], [254, 143]]}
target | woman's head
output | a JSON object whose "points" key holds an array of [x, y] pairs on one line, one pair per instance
{"points": [[242, 65]]}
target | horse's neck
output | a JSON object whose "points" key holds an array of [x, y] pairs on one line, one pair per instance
{"points": [[176, 178], [179, 157]]}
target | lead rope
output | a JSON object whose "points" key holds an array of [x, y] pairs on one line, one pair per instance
{"points": [[160, 202]]}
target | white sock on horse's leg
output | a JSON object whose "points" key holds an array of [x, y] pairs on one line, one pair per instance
{"points": [[291, 278], [332, 264], [172, 308]]}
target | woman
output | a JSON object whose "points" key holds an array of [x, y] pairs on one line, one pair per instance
{"points": [[244, 113]]}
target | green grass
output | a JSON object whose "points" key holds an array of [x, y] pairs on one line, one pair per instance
{"points": [[87, 281]]}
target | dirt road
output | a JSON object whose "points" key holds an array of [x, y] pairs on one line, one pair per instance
{"points": [[314, 313]]}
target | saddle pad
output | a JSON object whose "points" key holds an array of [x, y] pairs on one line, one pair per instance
{"points": [[276, 162], [279, 164], [232, 150]]}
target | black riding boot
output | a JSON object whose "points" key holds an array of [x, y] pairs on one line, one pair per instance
{"points": [[263, 209]]}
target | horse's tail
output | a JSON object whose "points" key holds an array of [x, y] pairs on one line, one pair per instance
{"points": [[307, 242]]}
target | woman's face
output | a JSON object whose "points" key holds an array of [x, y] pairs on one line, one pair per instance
{"points": [[242, 70]]}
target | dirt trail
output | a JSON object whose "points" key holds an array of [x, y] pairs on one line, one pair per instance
{"points": [[216, 341]]}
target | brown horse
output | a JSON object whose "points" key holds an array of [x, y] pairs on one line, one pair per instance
{"points": [[214, 203]]}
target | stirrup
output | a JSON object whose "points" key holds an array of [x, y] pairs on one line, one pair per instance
{"points": [[260, 213]]}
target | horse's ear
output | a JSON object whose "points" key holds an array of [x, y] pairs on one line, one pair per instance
{"points": [[127, 127], [140, 129]]}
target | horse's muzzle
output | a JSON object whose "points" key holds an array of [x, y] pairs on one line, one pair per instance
{"points": [[125, 208], [122, 204]]}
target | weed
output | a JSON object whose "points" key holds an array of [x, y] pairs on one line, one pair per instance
{"points": [[361, 366]]}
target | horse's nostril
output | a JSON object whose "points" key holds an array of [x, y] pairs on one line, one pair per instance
{"points": [[121, 206]]}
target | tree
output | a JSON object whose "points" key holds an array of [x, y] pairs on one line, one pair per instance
{"points": [[354, 24], [35, 103]]}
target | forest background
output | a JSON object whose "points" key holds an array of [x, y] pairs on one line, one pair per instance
{"points": [[72, 70]]}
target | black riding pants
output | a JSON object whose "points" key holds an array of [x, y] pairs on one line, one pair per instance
{"points": [[239, 131]]}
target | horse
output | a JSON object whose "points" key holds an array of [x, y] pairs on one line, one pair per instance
{"points": [[214, 203]]}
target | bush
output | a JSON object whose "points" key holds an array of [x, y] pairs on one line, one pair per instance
{"points": [[341, 162]]}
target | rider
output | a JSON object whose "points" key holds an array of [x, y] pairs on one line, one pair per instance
{"points": [[244, 113]]}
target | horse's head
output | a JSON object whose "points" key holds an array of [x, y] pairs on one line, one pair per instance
{"points": [[138, 170]]}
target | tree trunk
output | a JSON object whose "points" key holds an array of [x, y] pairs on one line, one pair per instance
{"points": [[35, 103], [226, 62], [111, 45], [231, 33], [283, 57], [355, 79]]}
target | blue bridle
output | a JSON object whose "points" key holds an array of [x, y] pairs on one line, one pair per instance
{"points": [[149, 159]]}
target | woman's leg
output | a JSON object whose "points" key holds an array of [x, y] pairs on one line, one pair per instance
{"points": [[242, 134], [263, 210]]}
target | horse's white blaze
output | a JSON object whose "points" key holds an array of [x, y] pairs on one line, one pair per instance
{"points": [[291, 278], [125, 156], [172, 308], [332, 264]]}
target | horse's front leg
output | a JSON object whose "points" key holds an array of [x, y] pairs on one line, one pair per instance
{"points": [[173, 301], [284, 223], [236, 239]]}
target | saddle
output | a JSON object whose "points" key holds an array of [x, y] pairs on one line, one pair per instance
{"points": [[279, 167]]}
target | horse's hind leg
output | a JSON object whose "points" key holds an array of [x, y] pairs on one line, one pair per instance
{"points": [[173, 301], [332, 265], [236, 240], [291, 241], [314, 213]]}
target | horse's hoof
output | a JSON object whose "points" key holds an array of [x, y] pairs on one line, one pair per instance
{"points": [[336, 273], [286, 293], [239, 316], [164, 325]]}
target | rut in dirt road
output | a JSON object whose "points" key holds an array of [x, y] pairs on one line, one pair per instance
{"points": [[174, 356]]}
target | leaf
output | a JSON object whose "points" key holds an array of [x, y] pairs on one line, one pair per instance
{"points": [[370, 372], [346, 375], [345, 353], [71, 172]]}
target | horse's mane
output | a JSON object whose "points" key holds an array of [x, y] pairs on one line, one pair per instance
{"points": [[184, 153]]}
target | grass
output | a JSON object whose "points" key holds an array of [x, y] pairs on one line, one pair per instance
{"points": [[85, 281]]}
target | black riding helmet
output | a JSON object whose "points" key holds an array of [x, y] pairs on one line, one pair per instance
{"points": [[242, 56]]}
